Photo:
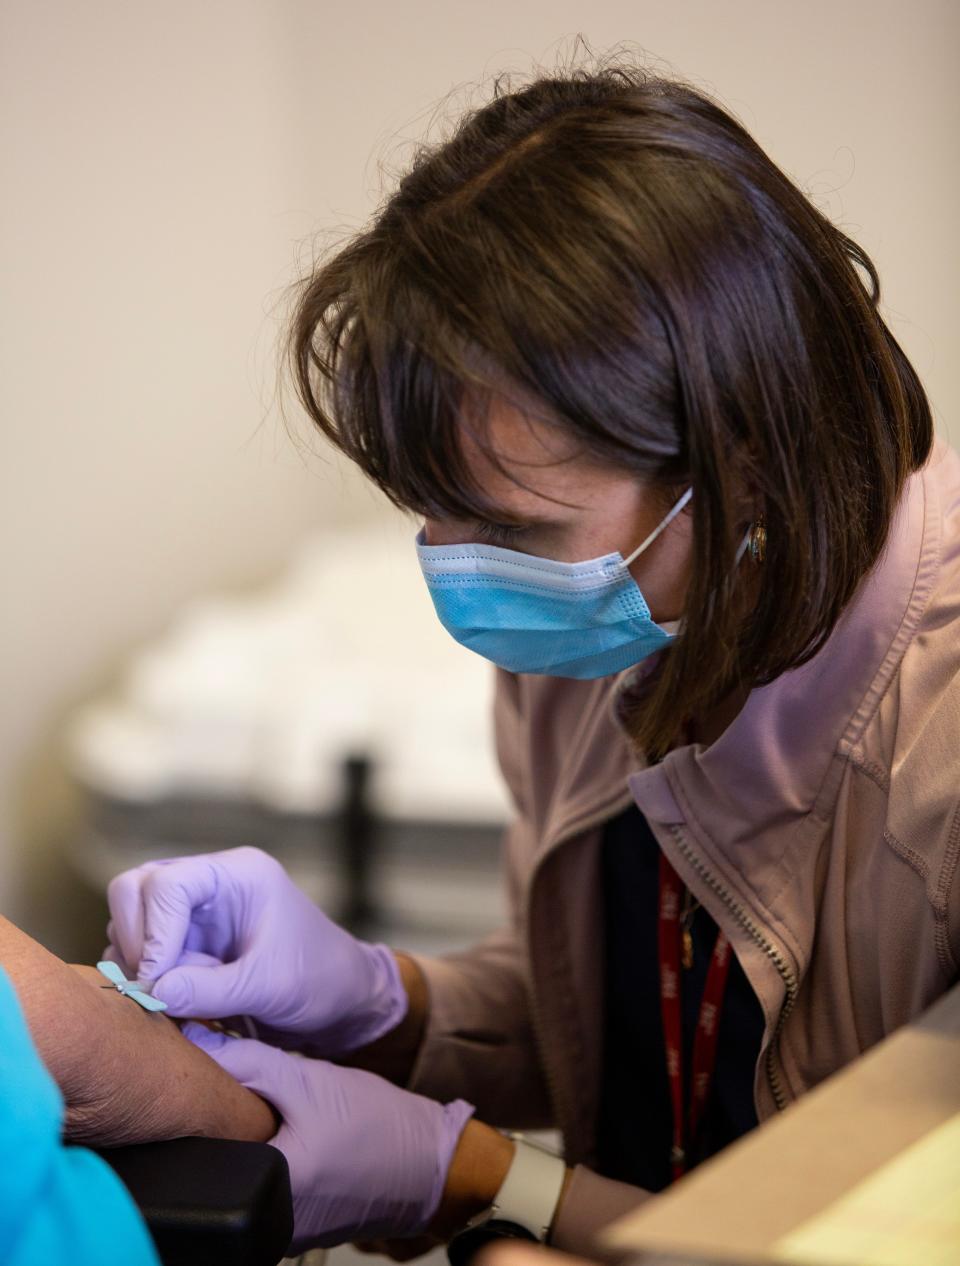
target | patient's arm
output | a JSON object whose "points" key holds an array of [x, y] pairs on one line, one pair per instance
{"points": [[127, 1075]]}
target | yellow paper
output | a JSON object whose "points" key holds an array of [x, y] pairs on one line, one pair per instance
{"points": [[907, 1212]]}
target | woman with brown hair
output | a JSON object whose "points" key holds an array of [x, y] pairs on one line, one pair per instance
{"points": [[678, 481]]}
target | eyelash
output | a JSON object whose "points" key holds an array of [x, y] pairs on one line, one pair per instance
{"points": [[498, 533]]}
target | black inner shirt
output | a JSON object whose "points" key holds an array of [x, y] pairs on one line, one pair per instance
{"points": [[636, 1115]]}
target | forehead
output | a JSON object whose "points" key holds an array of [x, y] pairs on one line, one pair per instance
{"points": [[541, 462]]}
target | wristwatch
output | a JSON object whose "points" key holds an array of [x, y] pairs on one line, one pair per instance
{"points": [[462, 1247], [524, 1205]]}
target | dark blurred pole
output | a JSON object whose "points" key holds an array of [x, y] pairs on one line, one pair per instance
{"points": [[357, 843]]}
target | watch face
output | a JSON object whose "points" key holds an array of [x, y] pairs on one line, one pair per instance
{"points": [[462, 1247]]}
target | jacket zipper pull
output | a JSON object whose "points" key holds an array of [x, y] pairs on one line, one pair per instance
{"points": [[687, 949], [690, 908]]}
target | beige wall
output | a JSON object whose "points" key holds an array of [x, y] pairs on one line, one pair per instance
{"points": [[161, 162]]}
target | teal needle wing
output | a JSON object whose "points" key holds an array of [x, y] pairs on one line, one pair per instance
{"points": [[112, 972], [147, 1001]]}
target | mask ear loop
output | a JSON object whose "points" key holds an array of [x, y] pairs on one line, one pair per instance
{"points": [[657, 530]]}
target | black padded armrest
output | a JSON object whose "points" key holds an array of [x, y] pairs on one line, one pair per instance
{"points": [[210, 1202]]}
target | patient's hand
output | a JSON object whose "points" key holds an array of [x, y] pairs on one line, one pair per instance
{"points": [[127, 1075]]}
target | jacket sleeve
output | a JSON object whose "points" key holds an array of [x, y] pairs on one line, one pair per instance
{"points": [[479, 1042], [590, 1205]]}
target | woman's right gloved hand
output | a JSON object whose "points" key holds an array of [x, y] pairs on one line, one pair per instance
{"points": [[229, 933]]}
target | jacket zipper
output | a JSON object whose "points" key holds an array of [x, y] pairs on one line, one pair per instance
{"points": [[790, 981], [791, 984]]}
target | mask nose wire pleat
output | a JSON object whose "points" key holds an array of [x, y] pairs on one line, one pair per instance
{"points": [[657, 530]]}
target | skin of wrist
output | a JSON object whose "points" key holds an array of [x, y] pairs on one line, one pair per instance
{"points": [[476, 1174], [415, 986], [478, 1168], [393, 1055]]}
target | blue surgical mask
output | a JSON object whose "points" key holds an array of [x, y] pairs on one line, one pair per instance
{"points": [[534, 615]]}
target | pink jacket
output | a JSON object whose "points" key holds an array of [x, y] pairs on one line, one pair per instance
{"points": [[821, 831]]}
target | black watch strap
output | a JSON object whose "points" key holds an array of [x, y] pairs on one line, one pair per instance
{"points": [[462, 1247]]}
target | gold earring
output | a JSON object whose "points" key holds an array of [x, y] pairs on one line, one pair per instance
{"points": [[757, 541]]}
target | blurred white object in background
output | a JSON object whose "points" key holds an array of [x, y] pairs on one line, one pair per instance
{"points": [[260, 697]]}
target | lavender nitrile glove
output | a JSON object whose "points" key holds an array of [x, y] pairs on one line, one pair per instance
{"points": [[366, 1158], [230, 933]]}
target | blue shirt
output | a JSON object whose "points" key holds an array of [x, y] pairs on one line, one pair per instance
{"points": [[57, 1203], [636, 1116]]}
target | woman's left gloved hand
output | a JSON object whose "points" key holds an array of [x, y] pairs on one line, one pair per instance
{"points": [[366, 1158]]}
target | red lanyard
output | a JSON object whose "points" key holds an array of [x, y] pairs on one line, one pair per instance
{"points": [[705, 1040]]}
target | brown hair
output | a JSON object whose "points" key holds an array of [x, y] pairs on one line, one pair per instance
{"points": [[614, 245]]}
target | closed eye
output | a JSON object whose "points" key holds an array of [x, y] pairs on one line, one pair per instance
{"points": [[498, 533]]}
